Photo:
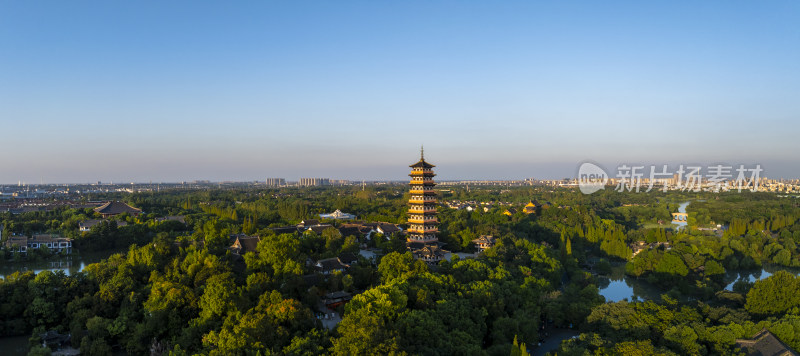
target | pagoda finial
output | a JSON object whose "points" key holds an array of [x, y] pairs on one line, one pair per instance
{"points": [[422, 152]]}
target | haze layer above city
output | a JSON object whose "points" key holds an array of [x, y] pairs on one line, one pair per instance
{"points": [[180, 91]]}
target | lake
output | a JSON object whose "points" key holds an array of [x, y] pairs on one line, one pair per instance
{"points": [[618, 286], [69, 264]]}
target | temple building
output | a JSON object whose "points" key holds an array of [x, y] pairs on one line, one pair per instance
{"points": [[484, 242], [421, 236], [764, 343], [113, 208], [530, 208]]}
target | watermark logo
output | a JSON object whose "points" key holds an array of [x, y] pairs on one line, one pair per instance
{"points": [[691, 178], [591, 178]]}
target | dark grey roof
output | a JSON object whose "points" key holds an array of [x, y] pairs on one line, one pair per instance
{"points": [[319, 228], [350, 230], [89, 223], [422, 164], [309, 222], [430, 251], [387, 228], [347, 257], [330, 264], [115, 207], [765, 344], [484, 239]]}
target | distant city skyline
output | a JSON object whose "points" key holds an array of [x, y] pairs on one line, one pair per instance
{"points": [[181, 91]]}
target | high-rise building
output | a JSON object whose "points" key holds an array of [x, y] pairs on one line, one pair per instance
{"points": [[276, 182], [423, 228], [313, 182]]}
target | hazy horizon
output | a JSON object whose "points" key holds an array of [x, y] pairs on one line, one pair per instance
{"points": [[182, 91]]}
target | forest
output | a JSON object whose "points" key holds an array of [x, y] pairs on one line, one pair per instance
{"points": [[177, 288]]}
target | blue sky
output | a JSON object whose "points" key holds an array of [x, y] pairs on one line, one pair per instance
{"points": [[184, 90]]}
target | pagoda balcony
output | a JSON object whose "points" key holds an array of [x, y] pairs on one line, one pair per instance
{"points": [[432, 230], [421, 191], [419, 238], [422, 228], [422, 220], [416, 180], [421, 210], [422, 200]]}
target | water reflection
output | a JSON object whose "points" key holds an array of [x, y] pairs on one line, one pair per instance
{"points": [[69, 264], [682, 209], [618, 286], [731, 277]]}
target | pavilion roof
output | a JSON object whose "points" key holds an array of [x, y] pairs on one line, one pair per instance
{"points": [[115, 207]]}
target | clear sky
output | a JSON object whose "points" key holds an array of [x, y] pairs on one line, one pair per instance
{"points": [[181, 90]]}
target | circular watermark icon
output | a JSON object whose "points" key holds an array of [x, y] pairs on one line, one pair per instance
{"points": [[591, 178]]}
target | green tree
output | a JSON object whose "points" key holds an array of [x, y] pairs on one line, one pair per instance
{"points": [[774, 294]]}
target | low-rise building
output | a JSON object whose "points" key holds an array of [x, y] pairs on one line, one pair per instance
{"points": [[387, 229], [484, 242], [243, 244], [335, 299], [330, 265], [52, 242], [765, 343], [430, 254], [17, 244]]}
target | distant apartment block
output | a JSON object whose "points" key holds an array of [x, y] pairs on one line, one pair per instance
{"points": [[313, 182], [276, 182]]}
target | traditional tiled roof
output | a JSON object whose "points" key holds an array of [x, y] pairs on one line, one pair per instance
{"points": [[387, 229], [763, 344], [309, 222], [348, 258], [319, 228], [44, 238], [422, 164], [115, 207], [245, 244], [531, 207], [350, 230], [484, 239], [17, 240], [330, 264], [88, 224], [430, 252]]}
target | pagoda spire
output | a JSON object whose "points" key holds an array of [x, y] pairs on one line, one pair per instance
{"points": [[422, 152]]}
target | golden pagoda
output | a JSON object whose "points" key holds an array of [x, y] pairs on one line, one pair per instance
{"points": [[530, 208], [422, 223]]}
